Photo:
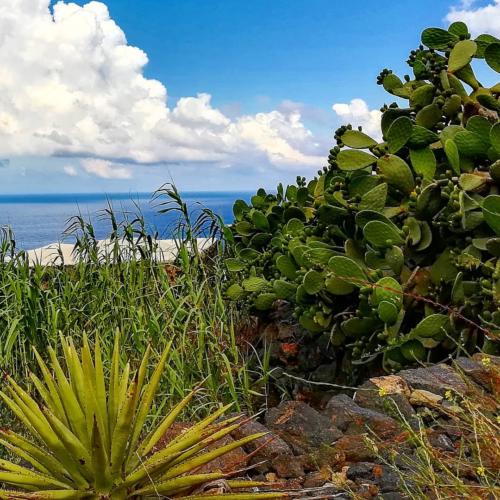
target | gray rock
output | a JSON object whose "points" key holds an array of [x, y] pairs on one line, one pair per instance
{"points": [[437, 379], [301, 427]]}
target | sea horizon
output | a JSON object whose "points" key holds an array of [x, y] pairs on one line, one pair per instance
{"points": [[40, 219]]}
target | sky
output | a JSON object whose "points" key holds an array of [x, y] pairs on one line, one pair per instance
{"points": [[125, 95]]}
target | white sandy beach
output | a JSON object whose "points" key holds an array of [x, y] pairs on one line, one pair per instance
{"points": [[62, 253]]}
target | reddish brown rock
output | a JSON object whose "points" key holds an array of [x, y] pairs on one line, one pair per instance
{"points": [[354, 448]]}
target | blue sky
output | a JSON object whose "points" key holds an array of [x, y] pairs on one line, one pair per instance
{"points": [[273, 69]]}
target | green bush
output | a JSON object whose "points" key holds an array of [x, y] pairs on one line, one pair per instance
{"points": [[394, 247]]}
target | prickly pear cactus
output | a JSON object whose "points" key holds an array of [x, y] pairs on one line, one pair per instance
{"points": [[394, 248]]}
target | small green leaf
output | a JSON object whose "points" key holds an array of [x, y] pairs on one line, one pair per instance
{"points": [[338, 286], [352, 159], [413, 350], [388, 289]]}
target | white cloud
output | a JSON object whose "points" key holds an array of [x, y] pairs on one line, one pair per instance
{"points": [[357, 113], [71, 85], [106, 169], [70, 170], [480, 19]]}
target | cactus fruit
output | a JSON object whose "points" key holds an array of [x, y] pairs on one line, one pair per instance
{"points": [[395, 244]]}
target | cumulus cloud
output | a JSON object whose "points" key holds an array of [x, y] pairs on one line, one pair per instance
{"points": [[106, 169], [70, 170], [70, 85], [358, 113], [479, 19]]}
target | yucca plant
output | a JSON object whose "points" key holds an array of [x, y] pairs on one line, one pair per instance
{"points": [[87, 438]]}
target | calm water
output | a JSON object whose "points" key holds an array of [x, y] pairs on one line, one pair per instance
{"points": [[39, 220]]}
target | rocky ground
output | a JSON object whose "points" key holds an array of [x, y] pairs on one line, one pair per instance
{"points": [[344, 448]]}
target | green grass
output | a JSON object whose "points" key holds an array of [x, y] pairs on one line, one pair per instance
{"points": [[148, 302]]}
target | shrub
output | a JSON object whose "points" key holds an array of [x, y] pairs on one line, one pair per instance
{"points": [[393, 249], [86, 435]]}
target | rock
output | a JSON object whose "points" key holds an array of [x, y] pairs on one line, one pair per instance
{"points": [[361, 470], [354, 448], [437, 379], [301, 427], [350, 418], [420, 397], [486, 374], [316, 479], [287, 467], [376, 395], [441, 441]]}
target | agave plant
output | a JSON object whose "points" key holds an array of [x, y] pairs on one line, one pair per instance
{"points": [[84, 437], [393, 250]]}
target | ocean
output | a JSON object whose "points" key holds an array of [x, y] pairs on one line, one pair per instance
{"points": [[38, 220]]}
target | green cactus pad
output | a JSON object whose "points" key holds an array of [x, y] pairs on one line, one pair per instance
{"points": [[461, 55], [357, 140], [348, 270], [423, 95], [375, 199], [399, 133], [313, 282], [387, 312], [306, 320], [413, 350], [492, 56], [388, 289], [423, 162], [294, 227], [437, 38], [458, 28], [471, 182], [239, 208], [431, 326], [338, 286], [255, 284], [234, 265], [428, 116], [453, 155], [470, 144], [394, 258], [495, 137], [265, 301], [352, 159], [422, 137], [235, 292], [396, 173], [382, 235], [392, 82], [482, 41], [284, 289], [244, 228], [491, 212]]}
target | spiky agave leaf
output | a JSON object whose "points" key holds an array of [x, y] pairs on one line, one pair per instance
{"points": [[85, 433]]}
